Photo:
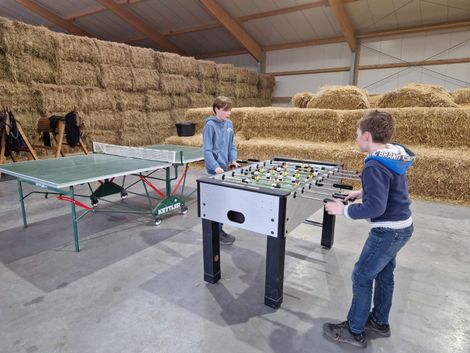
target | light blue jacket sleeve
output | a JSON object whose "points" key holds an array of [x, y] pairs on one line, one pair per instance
{"points": [[211, 163], [232, 153]]}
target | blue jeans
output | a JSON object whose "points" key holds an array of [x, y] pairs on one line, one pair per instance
{"points": [[377, 262]]}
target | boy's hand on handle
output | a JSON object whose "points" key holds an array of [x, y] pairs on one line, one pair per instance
{"points": [[354, 195], [219, 170], [234, 165], [334, 207]]}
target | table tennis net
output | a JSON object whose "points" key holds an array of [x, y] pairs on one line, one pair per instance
{"points": [[136, 152]]}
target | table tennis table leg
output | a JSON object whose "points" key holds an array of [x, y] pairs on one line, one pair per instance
{"points": [[74, 221], [23, 210]]}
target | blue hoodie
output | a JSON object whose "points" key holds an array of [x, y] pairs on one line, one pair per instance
{"points": [[384, 186], [219, 147]]}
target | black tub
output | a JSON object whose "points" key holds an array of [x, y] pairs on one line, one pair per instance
{"points": [[185, 129]]}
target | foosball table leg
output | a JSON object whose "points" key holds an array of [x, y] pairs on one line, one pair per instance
{"points": [[211, 250], [328, 230], [275, 255]]}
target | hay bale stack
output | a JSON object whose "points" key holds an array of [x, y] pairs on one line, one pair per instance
{"points": [[30, 69], [210, 87], [54, 99], [178, 84], [199, 116], [143, 58], [462, 96], [189, 66], [168, 63], [200, 100], [146, 79], [340, 97], [156, 101], [76, 48], [114, 54], [18, 97], [417, 95], [78, 73], [99, 99], [207, 69], [247, 76], [130, 100], [227, 72], [117, 77], [244, 90], [301, 99]]}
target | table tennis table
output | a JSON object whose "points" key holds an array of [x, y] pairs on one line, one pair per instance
{"points": [[60, 176]]}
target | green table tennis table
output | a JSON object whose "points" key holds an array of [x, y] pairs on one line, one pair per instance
{"points": [[60, 176]]}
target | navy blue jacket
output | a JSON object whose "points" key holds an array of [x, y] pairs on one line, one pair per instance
{"points": [[384, 186]]}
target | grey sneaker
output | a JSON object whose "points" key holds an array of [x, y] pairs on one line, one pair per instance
{"points": [[341, 333], [226, 239], [381, 330]]}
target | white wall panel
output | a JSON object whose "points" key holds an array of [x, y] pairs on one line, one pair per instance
{"points": [[245, 60], [309, 58], [287, 86]]}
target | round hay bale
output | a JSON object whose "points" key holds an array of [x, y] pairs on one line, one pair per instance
{"points": [[301, 99], [417, 95], [462, 96], [340, 97]]}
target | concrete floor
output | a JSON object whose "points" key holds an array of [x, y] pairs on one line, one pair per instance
{"points": [[136, 287]]}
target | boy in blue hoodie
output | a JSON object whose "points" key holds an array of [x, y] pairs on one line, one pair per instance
{"points": [[220, 151], [386, 205]]}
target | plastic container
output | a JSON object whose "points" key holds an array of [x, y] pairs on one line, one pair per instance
{"points": [[185, 129]]}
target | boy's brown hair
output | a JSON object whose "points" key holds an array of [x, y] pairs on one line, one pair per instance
{"points": [[381, 125], [223, 103]]}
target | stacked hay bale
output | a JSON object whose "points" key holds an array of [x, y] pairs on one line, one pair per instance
{"points": [[462, 97], [125, 95], [417, 95], [333, 97]]}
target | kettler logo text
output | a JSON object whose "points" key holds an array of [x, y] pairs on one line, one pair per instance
{"points": [[169, 208]]}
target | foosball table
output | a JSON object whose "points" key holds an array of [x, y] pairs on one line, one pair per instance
{"points": [[270, 197]]}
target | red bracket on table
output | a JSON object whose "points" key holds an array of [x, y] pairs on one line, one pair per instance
{"points": [[175, 190], [151, 185], [77, 203]]}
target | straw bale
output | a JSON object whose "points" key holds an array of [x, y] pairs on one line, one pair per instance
{"points": [[117, 77], [461, 96], [130, 100], [18, 96], [199, 116], [178, 114], [210, 87], [253, 102], [160, 126], [54, 98], [194, 141], [103, 120], [178, 84], [301, 99], [146, 79], [180, 101], [168, 63], [104, 136], [266, 81], [417, 95], [206, 69], [247, 76], [227, 89], [143, 58], [265, 93], [245, 90], [227, 72], [374, 99], [189, 66], [310, 125], [199, 100], [111, 53], [20, 39], [78, 73], [29, 69], [340, 97], [99, 99], [77, 48], [158, 101], [5, 69]]}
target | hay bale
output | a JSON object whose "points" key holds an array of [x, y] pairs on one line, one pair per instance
{"points": [[209, 87], [461, 96], [19, 39], [143, 58], [180, 102], [99, 99], [227, 89], [266, 81], [168, 63], [374, 99], [158, 101], [5, 70], [130, 101], [247, 76], [18, 97], [178, 114], [265, 93], [189, 66], [117, 77], [199, 100], [78, 73], [245, 90], [111, 53], [178, 84], [30, 69], [55, 99], [301, 99], [340, 97], [76, 48], [194, 141], [253, 102], [146, 79], [206, 69], [199, 116], [417, 95], [226, 72]]}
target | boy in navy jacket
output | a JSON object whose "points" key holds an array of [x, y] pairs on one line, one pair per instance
{"points": [[220, 151], [386, 205]]}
